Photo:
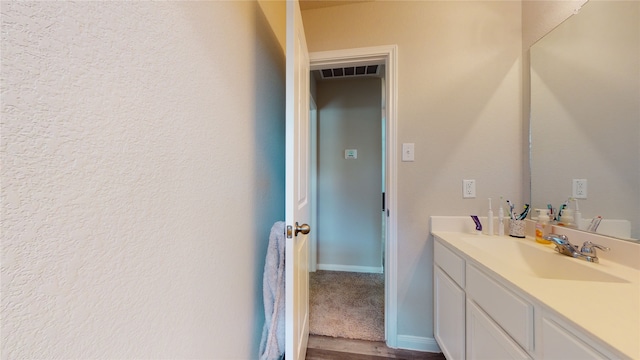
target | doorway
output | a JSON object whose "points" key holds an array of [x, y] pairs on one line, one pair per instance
{"points": [[349, 173], [387, 56], [347, 292]]}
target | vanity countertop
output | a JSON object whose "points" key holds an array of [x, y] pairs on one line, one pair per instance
{"points": [[607, 309]]}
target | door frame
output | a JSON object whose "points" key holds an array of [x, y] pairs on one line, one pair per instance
{"points": [[388, 55], [313, 163]]}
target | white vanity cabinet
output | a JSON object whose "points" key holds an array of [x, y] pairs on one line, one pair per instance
{"points": [[471, 312], [449, 302], [478, 315]]}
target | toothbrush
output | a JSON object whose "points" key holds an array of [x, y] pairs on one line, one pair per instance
{"points": [[490, 220], [594, 223], [500, 219], [511, 213], [562, 207], [524, 213]]}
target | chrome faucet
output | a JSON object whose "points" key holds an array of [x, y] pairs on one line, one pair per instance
{"points": [[587, 252]]}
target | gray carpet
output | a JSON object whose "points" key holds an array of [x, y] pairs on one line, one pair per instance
{"points": [[347, 305]]}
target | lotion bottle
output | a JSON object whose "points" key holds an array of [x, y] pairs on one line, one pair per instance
{"points": [[542, 226], [490, 220]]}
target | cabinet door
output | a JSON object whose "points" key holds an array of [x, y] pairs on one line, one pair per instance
{"points": [[511, 312], [449, 316], [486, 340], [559, 343]]}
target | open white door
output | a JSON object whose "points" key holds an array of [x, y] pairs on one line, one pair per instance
{"points": [[297, 199]]}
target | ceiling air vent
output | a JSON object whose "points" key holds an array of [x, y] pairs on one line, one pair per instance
{"points": [[350, 71]]}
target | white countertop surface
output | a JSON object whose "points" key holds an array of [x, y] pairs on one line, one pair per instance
{"points": [[608, 310]]}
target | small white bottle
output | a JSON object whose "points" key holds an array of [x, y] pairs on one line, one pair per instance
{"points": [[500, 220], [577, 216], [490, 220]]}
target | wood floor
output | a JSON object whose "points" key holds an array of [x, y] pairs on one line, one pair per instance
{"points": [[328, 348]]}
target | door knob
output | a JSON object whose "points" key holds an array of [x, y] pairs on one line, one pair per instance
{"points": [[304, 228]]}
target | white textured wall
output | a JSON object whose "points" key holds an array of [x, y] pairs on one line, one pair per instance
{"points": [[142, 147], [459, 101], [541, 16], [585, 111], [349, 191]]}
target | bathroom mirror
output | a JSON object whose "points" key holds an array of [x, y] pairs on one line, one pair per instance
{"points": [[585, 115]]}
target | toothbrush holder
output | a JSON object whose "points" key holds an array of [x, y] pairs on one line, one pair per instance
{"points": [[516, 228]]}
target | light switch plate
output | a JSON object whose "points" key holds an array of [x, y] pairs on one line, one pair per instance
{"points": [[408, 151]]}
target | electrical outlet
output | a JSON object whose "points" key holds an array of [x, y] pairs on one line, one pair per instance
{"points": [[468, 188], [580, 188]]}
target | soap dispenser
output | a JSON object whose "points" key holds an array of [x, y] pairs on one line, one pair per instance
{"points": [[566, 217], [543, 227]]}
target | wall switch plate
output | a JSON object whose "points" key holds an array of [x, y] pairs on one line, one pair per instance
{"points": [[468, 189], [408, 151], [580, 188]]}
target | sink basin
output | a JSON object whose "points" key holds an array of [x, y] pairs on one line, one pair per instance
{"points": [[540, 261]]}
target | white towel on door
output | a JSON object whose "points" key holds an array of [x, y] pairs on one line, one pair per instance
{"points": [[272, 343]]}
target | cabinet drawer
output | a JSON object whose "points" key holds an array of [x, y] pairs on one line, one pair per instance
{"points": [[510, 311], [451, 263]]}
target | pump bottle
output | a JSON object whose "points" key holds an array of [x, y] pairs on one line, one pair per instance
{"points": [[543, 226]]}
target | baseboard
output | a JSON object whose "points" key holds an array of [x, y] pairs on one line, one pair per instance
{"points": [[409, 342], [351, 268]]}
